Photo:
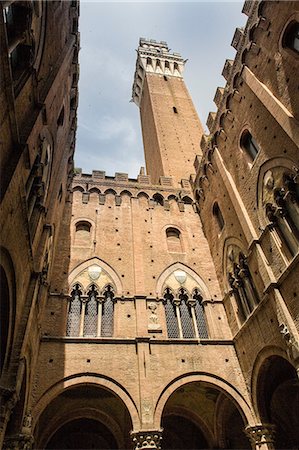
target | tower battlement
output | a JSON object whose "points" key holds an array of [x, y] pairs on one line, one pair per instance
{"points": [[154, 57]]}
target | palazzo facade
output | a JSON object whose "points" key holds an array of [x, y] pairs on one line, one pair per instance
{"points": [[161, 311]]}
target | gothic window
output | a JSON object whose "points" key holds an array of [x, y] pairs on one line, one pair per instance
{"points": [[173, 237], [74, 312], [291, 37], [242, 285], [108, 312], [171, 317], [82, 234], [184, 315], [18, 18], [38, 183], [249, 145], [218, 216], [90, 315], [282, 207]]}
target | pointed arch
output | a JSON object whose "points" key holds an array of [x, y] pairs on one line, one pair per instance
{"points": [[180, 266], [97, 261]]}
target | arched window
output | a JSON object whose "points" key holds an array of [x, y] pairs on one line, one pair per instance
{"points": [[218, 216], [249, 145], [18, 19], [82, 234], [38, 183], [173, 237], [108, 312], [91, 315], [171, 317], [241, 283], [158, 198], [184, 315], [148, 61], [74, 312], [282, 211], [291, 36]]}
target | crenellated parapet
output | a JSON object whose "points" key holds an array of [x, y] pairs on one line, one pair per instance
{"points": [[243, 43], [121, 185], [154, 58]]}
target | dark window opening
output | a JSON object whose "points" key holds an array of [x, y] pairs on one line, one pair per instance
{"points": [[60, 119], [291, 37], [218, 215], [249, 144], [175, 110]]}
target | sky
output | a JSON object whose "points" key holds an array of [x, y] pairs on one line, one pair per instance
{"points": [[109, 132]]}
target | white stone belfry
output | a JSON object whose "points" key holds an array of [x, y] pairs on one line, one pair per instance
{"points": [[154, 57]]}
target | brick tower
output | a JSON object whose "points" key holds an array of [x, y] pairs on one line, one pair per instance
{"points": [[171, 128]]}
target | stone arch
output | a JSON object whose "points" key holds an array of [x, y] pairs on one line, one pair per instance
{"points": [[110, 191], [126, 192], [92, 379], [78, 189], [179, 266], [142, 194], [87, 413], [223, 386], [7, 307], [260, 359], [97, 261], [276, 392]]}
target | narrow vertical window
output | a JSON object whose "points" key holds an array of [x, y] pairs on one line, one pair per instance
{"points": [[108, 313], [170, 313], [249, 145], [91, 313], [218, 216], [200, 315], [74, 313], [173, 237], [186, 317]]}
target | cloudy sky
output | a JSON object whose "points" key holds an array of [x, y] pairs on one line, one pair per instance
{"points": [[109, 134]]}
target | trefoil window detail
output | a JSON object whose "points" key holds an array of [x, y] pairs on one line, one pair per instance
{"points": [[184, 314]]}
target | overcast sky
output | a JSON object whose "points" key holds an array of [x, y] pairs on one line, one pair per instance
{"points": [[109, 134]]}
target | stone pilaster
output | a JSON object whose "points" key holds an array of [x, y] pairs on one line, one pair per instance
{"points": [[144, 440], [261, 436]]}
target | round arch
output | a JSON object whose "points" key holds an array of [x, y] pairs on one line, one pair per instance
{"points": [[86, 413], [263, 355], [81, 379], [179, 266], [216, 382], [89, 262]]}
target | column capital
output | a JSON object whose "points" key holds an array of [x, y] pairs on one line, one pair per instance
{"points": [[18, 442], [261, 435], [146, 440]]}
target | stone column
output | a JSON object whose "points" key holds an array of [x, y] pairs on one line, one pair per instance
{"points": [[8, 400], [146, 440], [261, 436], [18, 442]]}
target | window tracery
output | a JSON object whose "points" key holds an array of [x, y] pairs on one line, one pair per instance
{"points": [[281, 206], [184, 314], [241, 282], [91, 315]]}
